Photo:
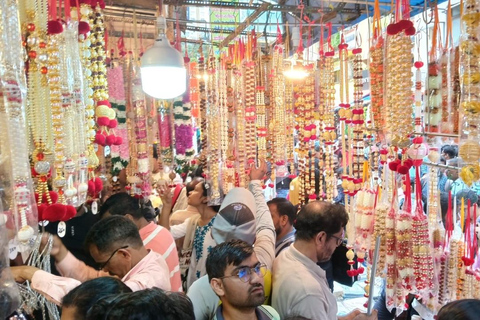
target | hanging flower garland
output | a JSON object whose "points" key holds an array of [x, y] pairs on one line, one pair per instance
{"points": [[183, 133], [119, 153]]}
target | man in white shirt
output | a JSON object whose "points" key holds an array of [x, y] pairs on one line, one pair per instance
{"points": [[300, 286]]}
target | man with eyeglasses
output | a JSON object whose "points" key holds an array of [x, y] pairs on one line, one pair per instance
{"points": [[300, 286], [236, 276], [116, 246]]}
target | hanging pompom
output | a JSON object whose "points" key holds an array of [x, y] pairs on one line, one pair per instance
{"points": [[394, 165], [410, 31], [71, 213], [110, 140], [118, 141], [40, 210], [91, 188], [83, 27], [103, 121], [104, 103], [100, 139], [402, 169], [98, 185], [54, 27], [402, 25], [392, 29], [113, 123], [55, 212]]}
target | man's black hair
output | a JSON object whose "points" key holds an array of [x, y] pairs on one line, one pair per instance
{"points": [[230, 252], [319, 216], [121, 204], [466, 309], [284, 208], [151, 303], [113, 232], [450, 150], [88, 293]]}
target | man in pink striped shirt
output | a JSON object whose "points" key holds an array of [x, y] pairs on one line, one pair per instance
{"points": [[155, 237], [116, 246]]}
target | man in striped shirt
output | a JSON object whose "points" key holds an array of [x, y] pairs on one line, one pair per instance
{"points": [[154, 237]]}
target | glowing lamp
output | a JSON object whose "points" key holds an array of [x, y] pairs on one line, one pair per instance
{"points": [[295, 72], [162, 69]]}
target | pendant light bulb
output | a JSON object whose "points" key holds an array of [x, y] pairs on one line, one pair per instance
{"points": [[163, 71]]}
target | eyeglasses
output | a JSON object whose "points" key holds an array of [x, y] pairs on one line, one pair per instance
{"points": [[101, 266], [245, 273], [339, 240]]}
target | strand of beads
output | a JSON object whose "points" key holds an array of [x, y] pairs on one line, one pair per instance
{"points": [[241, 132], [203, 112], [329, 134], [435, 76], [460, 270], [140, 118], [250, 117], [390, 262], [230, 156], [278, 123], [14, 137], [290, 126], [87, 52], [302, 150], [261, 123], [418, 111], [469, 149], [423, 258], [223, 109], [357, 120], [452, 271], [379, 230], [310, 132], [440, 263], [213, 128], [56, 42], [377, 84], [399, 82]]}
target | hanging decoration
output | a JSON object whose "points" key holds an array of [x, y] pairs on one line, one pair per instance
{"points": [[469, 149], [21, 211]]}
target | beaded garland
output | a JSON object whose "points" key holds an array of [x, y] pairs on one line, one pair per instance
{"points": [[203, 112], [213, 129], [240, 124], [469, 149], [399, 84], [13, 141]]}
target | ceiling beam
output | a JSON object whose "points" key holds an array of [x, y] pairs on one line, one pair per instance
{"points": [[242, 26], [280, 6]]}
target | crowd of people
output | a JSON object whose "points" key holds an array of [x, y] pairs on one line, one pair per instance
{"points": [[243, 259]]}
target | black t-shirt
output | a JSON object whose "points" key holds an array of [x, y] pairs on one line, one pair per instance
{"points": [[74, 239]]}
